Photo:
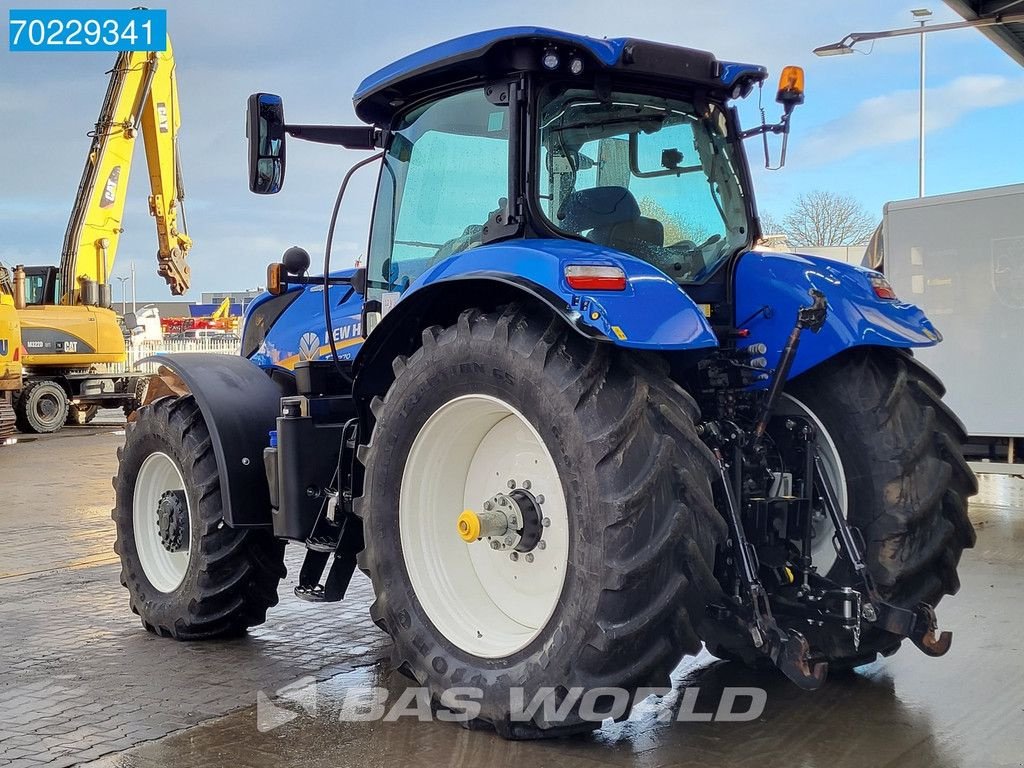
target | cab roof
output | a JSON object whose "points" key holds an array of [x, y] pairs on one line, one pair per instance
{"points": [[497, 52]]}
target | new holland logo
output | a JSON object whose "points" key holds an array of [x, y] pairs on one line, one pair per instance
{"points": [[309, 345]]}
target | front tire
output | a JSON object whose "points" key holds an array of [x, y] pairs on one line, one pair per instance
{"points": [[42, 407], [611, 444], [189, 576]]}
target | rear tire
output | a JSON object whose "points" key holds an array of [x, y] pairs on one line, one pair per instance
{"points": [[42, 407], [641, 527], [907, 486], [219, 581]]}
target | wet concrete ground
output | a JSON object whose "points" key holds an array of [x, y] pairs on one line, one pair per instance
{"points": [[71, 653]]}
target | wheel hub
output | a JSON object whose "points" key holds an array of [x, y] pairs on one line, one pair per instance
{"points": [[172, 521], [510, 522]]}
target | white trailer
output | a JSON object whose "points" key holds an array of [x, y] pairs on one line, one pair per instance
{"points": [[961, 258]]}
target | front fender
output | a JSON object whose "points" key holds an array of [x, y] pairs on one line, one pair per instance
{"points": [[771, 287], [653, 312], [240, 404]]}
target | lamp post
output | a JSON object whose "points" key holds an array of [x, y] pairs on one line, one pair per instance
{"points": [[921, 15], [124, 294]]}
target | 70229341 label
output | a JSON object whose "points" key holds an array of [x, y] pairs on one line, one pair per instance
{"points": [[87, 30]]}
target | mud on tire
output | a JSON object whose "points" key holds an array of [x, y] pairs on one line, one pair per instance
{"points": [[636, 478], [232, 574]]}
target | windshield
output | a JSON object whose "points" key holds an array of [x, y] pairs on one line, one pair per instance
{"points": [[642, 174]]}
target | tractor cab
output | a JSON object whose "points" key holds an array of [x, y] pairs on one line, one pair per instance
{"points": [[626, 146]]}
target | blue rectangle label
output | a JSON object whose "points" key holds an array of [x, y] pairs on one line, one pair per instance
{"points": [[87, 30]]}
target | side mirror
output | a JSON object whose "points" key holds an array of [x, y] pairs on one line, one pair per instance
{"points": [[359, 281], [264, 128], [131, 322]]}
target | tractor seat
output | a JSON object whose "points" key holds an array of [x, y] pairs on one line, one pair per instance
{"points": [[611, 217]]}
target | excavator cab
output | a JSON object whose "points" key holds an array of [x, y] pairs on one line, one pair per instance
{"points": [[40, 285]]}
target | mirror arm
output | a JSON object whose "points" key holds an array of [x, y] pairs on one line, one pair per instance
{"points": [[348, 136], [779, 127]]}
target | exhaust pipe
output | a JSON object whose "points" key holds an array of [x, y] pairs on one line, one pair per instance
{"points": [[19, 287]]}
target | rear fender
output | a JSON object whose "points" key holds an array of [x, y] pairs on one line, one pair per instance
{"points": [[652, 313], [771, 287], [240, 404]]}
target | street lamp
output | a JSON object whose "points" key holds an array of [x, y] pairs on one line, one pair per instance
{"points": [[921, 15], [124, 297]]}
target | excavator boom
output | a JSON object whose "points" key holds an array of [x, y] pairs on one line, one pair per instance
{"points": [[142, 96]]}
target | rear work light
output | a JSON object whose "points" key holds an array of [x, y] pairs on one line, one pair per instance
{"points": [[882, 288], [587, 277]]}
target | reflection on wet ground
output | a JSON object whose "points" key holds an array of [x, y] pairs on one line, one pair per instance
{"points": [[965, 709]]}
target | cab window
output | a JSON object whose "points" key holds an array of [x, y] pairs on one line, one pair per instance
{"points": [[444, 176]]}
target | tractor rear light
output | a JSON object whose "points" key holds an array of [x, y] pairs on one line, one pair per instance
{"points": [[586, 277], [882, 288]]}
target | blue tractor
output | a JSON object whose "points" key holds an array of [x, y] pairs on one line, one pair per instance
{"points": [[566, 419]]}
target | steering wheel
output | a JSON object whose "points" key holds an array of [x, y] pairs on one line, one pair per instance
{"points": [[685, 258]]}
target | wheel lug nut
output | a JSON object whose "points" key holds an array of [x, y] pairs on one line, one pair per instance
{"points": [[527, 485], [488, 506], [495, 545], [542, 545], [512, 484], [514, 556], [540, 499], [546, 522], [529, 557], [508, 541]]}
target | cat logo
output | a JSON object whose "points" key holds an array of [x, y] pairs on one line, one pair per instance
{"points": [[309, 345], [3, 347], [67, 346], [162, 121], [110, 188]]}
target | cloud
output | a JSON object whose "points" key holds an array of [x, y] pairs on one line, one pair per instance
{"points": [[893, 118]]}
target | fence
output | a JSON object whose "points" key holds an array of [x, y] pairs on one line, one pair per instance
{"points": [[155, 348]]}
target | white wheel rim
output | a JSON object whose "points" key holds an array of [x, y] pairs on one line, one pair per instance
{"points": [[480, 599], [823, 551], [157, 475]]}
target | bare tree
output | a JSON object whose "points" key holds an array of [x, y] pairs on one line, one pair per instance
{"points": [[821, 218], [770, 224]]}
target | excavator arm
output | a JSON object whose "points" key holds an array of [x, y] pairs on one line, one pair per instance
{"points": [[142, 96]]}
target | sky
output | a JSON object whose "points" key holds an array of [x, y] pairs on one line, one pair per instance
{"points": [[856, 133]]}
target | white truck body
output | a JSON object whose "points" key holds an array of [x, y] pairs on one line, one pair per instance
{"points": [[960, 257]]}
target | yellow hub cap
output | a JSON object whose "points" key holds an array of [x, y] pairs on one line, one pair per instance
{"points": [[468, 526]]}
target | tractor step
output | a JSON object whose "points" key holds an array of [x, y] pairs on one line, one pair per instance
{"points": [[343, 564], [315, 594], [323, 543]]}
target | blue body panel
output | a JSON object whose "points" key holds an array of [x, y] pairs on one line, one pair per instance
{"points": [[299, 332], [856, 317], [653, 312]]}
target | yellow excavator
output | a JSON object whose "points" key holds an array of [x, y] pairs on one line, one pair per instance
{"points": [[67, 326]]}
